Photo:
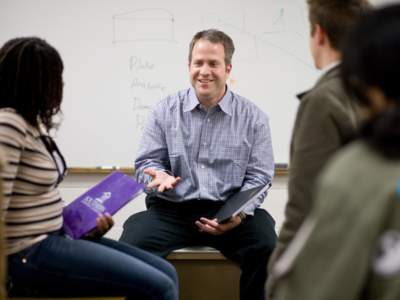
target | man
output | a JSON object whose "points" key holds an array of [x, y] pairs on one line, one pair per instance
{"points": [[326, 119], [349, 245], [199, 147]]}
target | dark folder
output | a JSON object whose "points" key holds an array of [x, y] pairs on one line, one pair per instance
{"points": [[239, 201]]}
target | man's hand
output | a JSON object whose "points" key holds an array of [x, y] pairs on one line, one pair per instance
{"points": [[104, 224], [163, 180], [214, 228]]}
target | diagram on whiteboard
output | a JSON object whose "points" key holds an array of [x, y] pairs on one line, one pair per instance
{"points": [[284, 29], [287, 30], [280, 20], [155, 24], [233, 22], [285, 17]]}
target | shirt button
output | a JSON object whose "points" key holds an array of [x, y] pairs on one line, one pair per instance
{"points": [[204, 188], [202, 167], [204, 144], [208, 120]]}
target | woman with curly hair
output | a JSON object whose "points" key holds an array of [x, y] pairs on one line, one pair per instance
{"points": [[42, 261]]}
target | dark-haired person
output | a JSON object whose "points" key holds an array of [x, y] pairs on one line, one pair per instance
{"points": [[42, 262], [326, 119], [200, 146], [349, 246]]}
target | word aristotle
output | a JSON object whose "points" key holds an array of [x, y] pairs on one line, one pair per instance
{"points": [[147, 85]]}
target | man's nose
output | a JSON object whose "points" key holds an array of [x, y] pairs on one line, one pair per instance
{"points": [[205, 70]]}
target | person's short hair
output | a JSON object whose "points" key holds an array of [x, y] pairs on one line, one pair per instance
{"points": [[336, 17], [371, 58], [214, 36], [31, 79]]}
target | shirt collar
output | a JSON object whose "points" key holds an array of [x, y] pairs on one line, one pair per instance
{"points": [[328, 68], [224, 103], [192, 101]]}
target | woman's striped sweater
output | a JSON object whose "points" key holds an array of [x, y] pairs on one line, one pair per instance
{"points": [[32, 205]]}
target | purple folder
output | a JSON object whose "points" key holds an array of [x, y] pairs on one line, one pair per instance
{"points": [[111, 194]]}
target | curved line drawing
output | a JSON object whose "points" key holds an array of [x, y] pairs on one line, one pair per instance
{"points": [[150, 24], [281, 49]]}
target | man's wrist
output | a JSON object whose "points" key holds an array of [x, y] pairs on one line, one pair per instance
{"points": [[242, 217]]}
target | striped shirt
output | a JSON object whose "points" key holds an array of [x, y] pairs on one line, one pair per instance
{"points": [[32, 204], [216, 152]]}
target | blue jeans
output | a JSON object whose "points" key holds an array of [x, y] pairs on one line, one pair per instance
{"points": [[61, 267]]}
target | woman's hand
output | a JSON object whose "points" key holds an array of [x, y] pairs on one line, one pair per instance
{"points": [[104, 224]]}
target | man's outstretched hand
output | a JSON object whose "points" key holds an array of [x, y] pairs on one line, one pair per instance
{"points": [[163, 180]]}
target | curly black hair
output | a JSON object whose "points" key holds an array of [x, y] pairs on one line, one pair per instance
{"points": [[31, 80]]}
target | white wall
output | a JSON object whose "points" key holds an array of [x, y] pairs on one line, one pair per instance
{"points": [[76, 184]]}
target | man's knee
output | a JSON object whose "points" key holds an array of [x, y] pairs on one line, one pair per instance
{"points": [[133, 229]]}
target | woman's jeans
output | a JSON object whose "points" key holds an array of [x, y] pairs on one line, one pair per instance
{"points": [[61, 267]]}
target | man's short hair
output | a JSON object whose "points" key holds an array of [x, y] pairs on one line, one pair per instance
{"points": [[214, 36], [336, 17]]}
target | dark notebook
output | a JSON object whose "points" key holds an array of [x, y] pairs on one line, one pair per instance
{"points": [[239, 201]]}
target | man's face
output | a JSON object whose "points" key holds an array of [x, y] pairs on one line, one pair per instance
{"points": [[208, 73]]}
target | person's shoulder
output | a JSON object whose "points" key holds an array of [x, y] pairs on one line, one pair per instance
{"points": [[355, 150], [173, 100], [246, 106], [358, 151], [358, 177], [9, 113], [11, 119], [359, 164], [330, 97], [328, 86]]}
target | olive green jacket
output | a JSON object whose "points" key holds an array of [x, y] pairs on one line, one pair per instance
{"points": [[353, 250], [326, 120]]}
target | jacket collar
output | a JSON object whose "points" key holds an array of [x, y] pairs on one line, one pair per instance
{"points": [[330, 73]]}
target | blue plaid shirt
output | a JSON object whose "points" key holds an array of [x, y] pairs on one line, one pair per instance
{"points": [[216, 153]]}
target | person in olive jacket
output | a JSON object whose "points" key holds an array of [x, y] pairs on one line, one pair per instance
{"points": [[326, 119], [349, 246]]}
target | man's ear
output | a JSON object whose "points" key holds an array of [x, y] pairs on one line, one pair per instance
{"points": [[229, 69], [320, 35]]}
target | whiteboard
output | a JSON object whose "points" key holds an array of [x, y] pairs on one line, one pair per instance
{"points": [[123, 56]]}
